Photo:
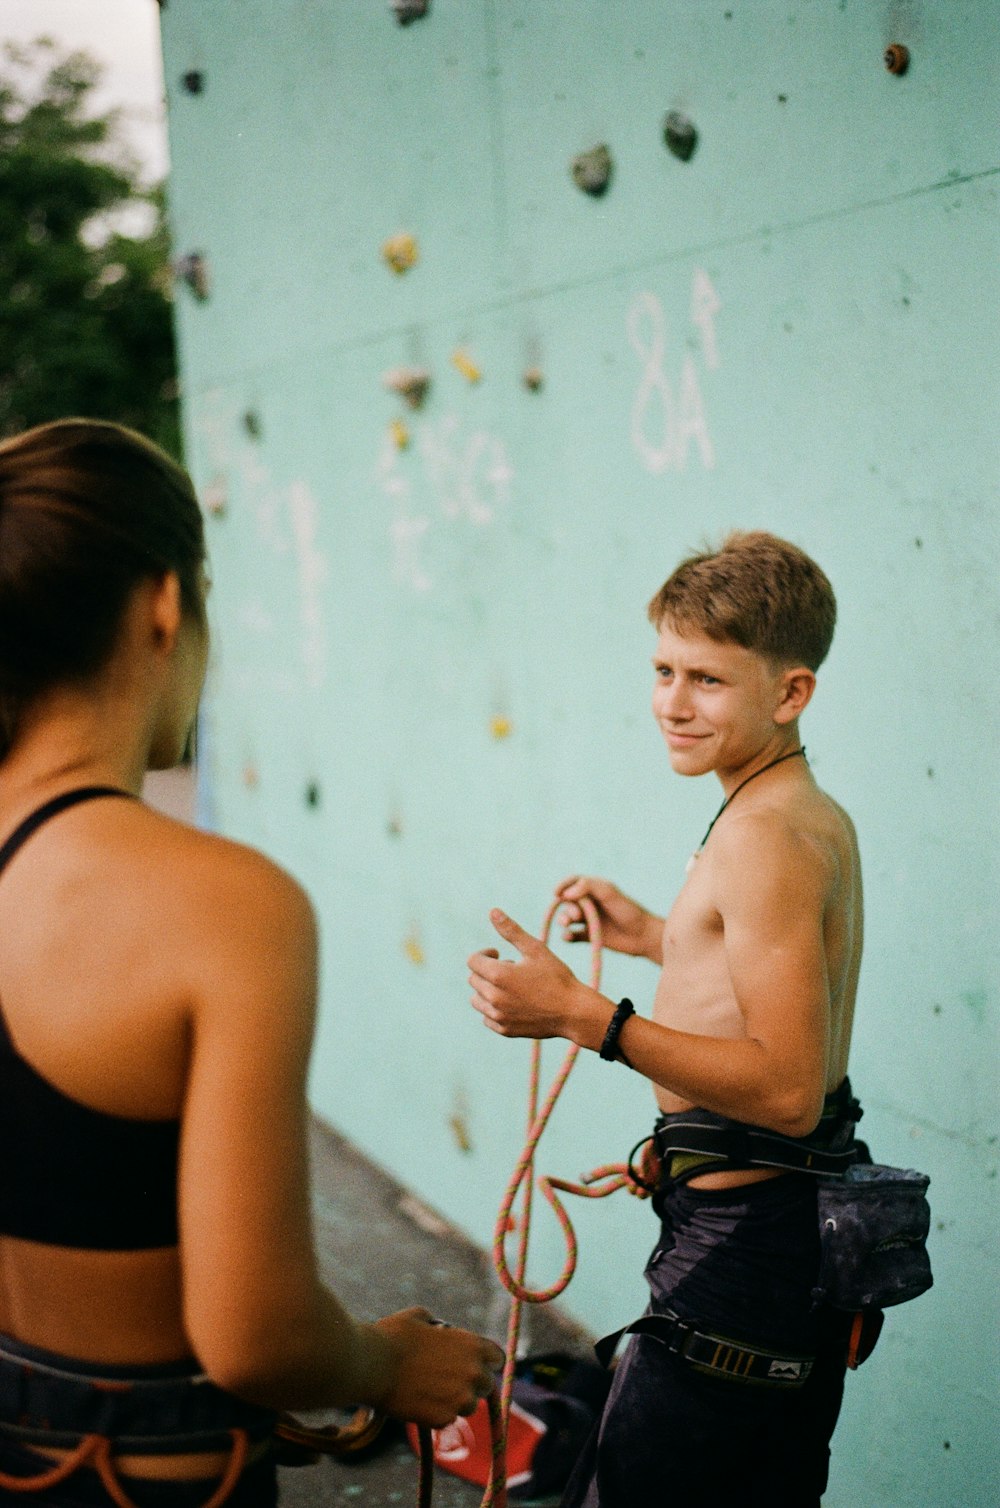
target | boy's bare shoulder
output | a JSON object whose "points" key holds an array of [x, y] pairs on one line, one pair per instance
{"points": [[775, 844]]}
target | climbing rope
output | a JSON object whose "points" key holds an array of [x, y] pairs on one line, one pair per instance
{"points": [[344, 1440], [597, 1184]]}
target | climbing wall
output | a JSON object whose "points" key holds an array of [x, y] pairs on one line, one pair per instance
{"points": [[485, 320]]}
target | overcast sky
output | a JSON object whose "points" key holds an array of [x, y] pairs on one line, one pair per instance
{"points": [[124, 35]]}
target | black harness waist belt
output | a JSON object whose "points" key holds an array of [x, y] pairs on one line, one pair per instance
{"points": [[47, 1399], [690, 1142], [718, 1355]]}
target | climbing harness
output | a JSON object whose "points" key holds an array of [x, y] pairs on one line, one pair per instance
{"points": [[95, 1413], [96, 1418]]}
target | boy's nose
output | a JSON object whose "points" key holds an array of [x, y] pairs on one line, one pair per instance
{"points": [[673, 701]]}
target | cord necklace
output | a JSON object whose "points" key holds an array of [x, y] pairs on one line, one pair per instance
{"points": [[769, 766]]}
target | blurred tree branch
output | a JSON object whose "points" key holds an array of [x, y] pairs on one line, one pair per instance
{"points": [[85, 304]]}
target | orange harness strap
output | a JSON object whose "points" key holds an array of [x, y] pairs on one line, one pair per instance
{"points": [[95, 1451]]}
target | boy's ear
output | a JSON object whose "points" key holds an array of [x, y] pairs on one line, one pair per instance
{"points": [[797, 687]]}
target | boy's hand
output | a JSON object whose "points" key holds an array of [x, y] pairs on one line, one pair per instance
{"points": [[535, 997], [626, 927], [440, 1372]]}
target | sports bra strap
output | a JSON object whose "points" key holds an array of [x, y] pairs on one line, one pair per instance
{"points": [[52, 808]]}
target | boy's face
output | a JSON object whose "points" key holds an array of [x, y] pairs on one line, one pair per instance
{"points": [[718, 705]]}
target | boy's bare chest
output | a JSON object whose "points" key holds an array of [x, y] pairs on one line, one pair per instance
{"points": [[695, 992]]}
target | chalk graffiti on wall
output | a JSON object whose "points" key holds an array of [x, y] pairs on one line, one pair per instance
{"points": [[286, 520], [665, 420], [459, 476]]}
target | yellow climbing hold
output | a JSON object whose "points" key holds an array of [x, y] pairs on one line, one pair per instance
{"points": [[413, 949], [399, 434], [501, 727], [463, 362], [401, 253]]}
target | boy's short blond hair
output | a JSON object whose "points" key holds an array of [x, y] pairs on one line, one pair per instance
{"points": [[758, 591]]}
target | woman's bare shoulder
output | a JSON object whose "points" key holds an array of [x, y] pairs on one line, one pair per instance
{"points": [[225, 906]]}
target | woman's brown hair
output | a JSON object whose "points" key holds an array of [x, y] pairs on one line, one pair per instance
{"points": [[88, 509]]}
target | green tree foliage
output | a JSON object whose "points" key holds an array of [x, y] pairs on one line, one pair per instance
{"points": [[85, 317]]}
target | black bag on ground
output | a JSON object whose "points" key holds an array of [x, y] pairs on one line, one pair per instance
{"points": [[568, 1395]]}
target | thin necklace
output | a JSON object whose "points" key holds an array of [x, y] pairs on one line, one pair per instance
{"points": [[769, 766]]}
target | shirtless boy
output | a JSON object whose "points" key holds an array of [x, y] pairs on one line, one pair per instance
{"points": [[751, 1023]]}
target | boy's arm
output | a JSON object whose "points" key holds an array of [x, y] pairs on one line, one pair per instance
{"points": [[770, 888]]}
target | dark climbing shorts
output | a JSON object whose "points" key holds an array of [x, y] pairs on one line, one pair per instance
{"points": [[741, 1263]]}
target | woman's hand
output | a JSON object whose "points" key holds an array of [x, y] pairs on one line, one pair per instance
{"points": [[626, 927], [440, 1372]]}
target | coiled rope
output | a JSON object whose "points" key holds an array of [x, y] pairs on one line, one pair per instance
{"points": [[597, 1184]]}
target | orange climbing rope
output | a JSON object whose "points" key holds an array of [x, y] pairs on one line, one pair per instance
{"points": [[597, 1184]]}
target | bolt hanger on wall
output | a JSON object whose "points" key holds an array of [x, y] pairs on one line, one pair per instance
{"points": [[592, 170]]}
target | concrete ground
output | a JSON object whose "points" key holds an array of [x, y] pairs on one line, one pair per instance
{"points": [[382, 1250]]}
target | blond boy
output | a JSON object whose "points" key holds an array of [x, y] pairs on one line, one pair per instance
{"points": [[730, 1389]]}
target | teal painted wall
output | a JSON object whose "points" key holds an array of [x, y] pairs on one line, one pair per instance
{"points": [[795, 330]]}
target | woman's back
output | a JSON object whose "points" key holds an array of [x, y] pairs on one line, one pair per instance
{"points": [[158, 994], [99, 917]]}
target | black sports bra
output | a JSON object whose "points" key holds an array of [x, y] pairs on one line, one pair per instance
{"points": [[70, 1175]]}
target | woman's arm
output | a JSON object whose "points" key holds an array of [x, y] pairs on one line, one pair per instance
{"points": [[259, 1319]]}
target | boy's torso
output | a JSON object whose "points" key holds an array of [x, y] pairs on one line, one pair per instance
{"points": [[695, 991]]}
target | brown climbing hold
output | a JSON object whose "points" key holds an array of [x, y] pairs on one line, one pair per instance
{"points": [[680, 135], [897, 58], [411, 383], [592, 170]]}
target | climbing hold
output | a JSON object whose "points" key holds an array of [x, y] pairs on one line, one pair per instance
{"points": [[401, 252], [592, 170], [533, 378], [413, 948], [679, 134], [463, 362], [215, 498], [312, 794], [897, 58], [458, 1125], [251, 778], [252, 424], [411, 383], [394, 826], [194, 81], [399, 434], [501, 727], [192, 268], [409, 10]]}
